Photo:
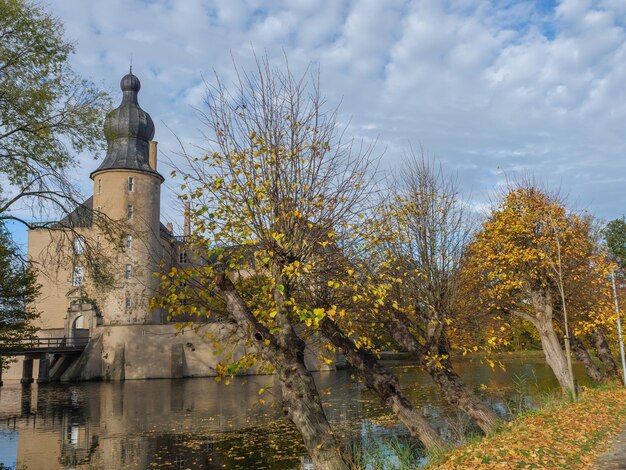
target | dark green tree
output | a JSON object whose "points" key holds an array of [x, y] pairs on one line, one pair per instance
{"points": [[615, 237], [18, 289], [48, 115]]}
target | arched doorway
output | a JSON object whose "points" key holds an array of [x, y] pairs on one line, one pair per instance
{"points": [[81, 320]]}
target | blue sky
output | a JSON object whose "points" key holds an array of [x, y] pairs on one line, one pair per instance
{"points": [[494, 89]]}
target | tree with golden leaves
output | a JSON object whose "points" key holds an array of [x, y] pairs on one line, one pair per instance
{"points": [[526, 261], [417, 243], [274, 199], [590, 302]]}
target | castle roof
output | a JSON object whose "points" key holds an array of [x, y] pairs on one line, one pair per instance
{"points": [[128, 129], [82, 217]]}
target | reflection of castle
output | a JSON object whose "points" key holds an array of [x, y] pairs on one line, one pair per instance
{"points": [[185, 424], [191, 424]]}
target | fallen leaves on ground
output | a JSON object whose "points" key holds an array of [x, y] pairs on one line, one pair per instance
{"points": [[567, 437]]}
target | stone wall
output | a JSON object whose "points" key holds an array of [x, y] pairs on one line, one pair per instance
{"points": [[127, 352]]}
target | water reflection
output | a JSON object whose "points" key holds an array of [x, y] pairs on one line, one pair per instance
{"points": [[200, 424]]}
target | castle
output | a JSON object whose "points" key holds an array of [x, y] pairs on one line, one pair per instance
{"points": [[117, 229], [107, 330]]}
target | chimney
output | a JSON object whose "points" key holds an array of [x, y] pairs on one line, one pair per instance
{"points": [[170, 227], [187, 224], [152, 154]]}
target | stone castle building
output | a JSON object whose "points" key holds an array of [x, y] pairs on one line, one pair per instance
{"points": [[120, 225], [117, 235], [117, 231]]}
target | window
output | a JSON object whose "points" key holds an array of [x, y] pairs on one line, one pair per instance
{"points": [[182, 257], [99, 185], [129, 242], [131, 184], [98, 242], [129, 271], [129, 212], [128, 301], [79, 245], [78, 276]]}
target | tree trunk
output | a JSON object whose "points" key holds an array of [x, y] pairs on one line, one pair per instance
{"points": [[458, 395], [583, 356], [302, 405], [555, 357], [386, 385], [300, 400], [449, 382], [604, 354]]}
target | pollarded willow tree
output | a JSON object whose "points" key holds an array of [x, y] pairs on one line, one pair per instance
{"points": [[273, 208], [418, 242], [526, 261], [589, 303], [279, 187], [349, 322]]}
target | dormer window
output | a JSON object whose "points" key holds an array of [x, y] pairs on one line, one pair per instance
{"points": [[131, 184], [129, 212]]}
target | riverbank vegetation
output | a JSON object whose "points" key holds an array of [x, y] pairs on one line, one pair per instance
{"points": [[560, 435]]}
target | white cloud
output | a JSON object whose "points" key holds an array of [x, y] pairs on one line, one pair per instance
{"points": [[492, 88]]}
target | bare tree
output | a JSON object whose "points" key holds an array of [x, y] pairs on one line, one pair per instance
{"points": [[274, 186], [424, 229]]}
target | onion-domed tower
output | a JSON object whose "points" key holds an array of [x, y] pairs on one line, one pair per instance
{"points": [[127, 189]]}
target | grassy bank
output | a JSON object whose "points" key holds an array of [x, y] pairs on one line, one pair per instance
{"points": [[561, 435]]}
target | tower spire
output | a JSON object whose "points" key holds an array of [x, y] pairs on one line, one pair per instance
{"points": [[128, 130], [130, 71]]}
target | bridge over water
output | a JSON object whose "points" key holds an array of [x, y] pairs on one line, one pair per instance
{"points": [[55, 355]]}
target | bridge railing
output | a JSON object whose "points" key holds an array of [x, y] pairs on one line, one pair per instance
{"points": [[46, 344]]}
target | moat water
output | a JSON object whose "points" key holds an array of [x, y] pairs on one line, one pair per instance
{"points": [[201, 424]]}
